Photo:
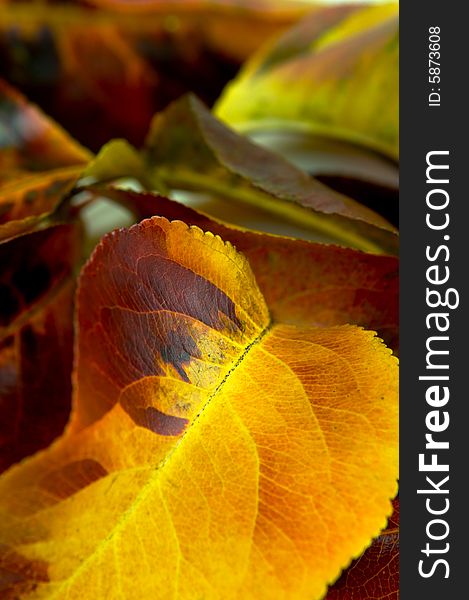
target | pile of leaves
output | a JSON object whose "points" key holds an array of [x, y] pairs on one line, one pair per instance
{"points": [[190, 408]]}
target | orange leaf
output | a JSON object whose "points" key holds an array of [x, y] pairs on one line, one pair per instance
{"points": [[29, 140], [212, 452], [39, 164], [27, 202]]}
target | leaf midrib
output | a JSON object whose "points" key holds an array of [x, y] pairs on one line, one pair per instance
{"points": [[141, 495]]}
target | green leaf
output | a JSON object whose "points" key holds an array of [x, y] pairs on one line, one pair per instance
{"points": [[333, 74]]}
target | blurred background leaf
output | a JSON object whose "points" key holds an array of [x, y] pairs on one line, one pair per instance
{"points": [[334, 74], [37, 272], [325, 95], [103, 68]]}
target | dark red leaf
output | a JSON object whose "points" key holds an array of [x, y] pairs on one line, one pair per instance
{"points": [[375, 575], [36, 339]]}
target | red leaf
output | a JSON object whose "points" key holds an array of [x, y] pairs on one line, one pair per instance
{"points": [[36, 339], [375, 575]]}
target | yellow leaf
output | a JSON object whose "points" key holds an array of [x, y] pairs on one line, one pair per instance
{"points": [[212, 453]]}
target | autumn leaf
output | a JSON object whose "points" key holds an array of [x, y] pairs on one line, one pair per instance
{"points": [[188, 149], [352, 170], [36, 338], [213, 451], [29, 140], [28, 203], [39, 165], [312, 127], [335, 74], [230, 415], [374, 575], [304, 283], [118, 63]]}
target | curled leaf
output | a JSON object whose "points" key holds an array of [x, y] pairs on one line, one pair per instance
{"points": [[212, 452]]}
